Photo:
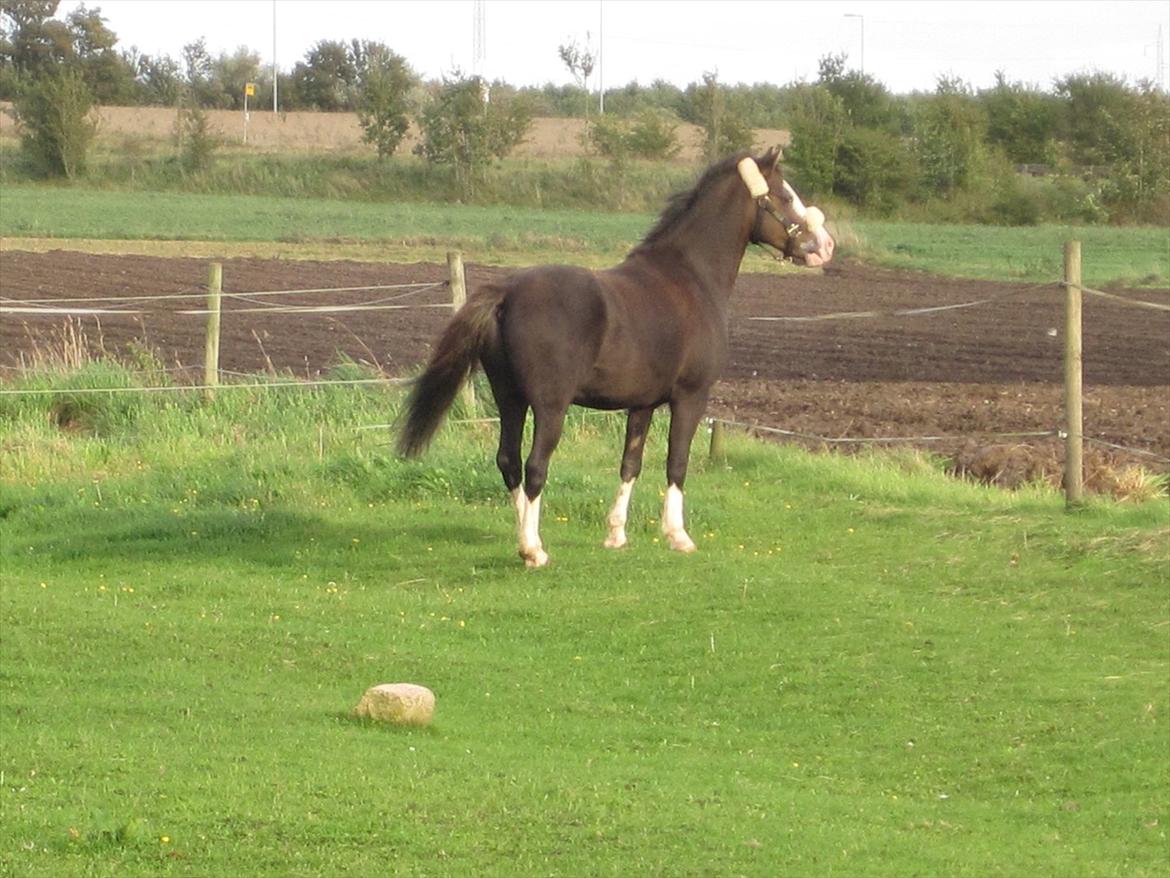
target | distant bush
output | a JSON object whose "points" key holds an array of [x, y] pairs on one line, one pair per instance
{"points": [[651, 134], [383, 100], [196, 139], [54, 113], [463, 130]]}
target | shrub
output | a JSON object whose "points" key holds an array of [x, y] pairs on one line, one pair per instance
{"points": [[653, 135], [57, 124], [461, 129], [383, 101], [197, 140]]}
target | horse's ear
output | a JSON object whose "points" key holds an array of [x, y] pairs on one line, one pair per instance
{"points": [[770, 160]]}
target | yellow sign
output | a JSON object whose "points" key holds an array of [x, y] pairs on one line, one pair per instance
{"points": [[250, 89]]}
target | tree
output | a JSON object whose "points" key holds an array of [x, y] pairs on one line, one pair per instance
{"points": [[873, 169], [384, 96], [34, 45], [817, 122], [1022, 121], [948, 133], [1098, 110], [725, 127], [31, 41], [54, 115], [327, 78], [109, 76], [197, 73], [459, 128], [866, 102], [159, 78], [229, 75], [580, 62]]}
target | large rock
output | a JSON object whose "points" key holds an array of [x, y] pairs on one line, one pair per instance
{"points": [[403, 704]]}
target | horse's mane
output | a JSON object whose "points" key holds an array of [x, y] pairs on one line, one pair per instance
{"points": [[680, 203]]}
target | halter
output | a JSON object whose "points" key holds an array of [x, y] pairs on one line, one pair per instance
{"points": [[764, 205], [758, 187]]}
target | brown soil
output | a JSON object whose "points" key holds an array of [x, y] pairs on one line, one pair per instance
{"points": [[969, 372]]}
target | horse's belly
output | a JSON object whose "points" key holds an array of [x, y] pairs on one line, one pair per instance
{"points": [[615, 402]]}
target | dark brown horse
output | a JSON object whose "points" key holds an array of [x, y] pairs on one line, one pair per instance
{"points": [[651, 331]]}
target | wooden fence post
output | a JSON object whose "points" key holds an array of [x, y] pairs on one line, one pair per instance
{"points": [[718, 440], [458, 297], [211, 347], [1074, 474]]}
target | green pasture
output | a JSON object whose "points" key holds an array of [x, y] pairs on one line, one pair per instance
{"points": [[868, 669], [403, 230]]}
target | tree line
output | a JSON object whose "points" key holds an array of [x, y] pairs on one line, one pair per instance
{"points": [[1091, 148]]}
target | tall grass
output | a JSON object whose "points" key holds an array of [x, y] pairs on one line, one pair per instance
{"points": [[868, 668], [584, 183]]}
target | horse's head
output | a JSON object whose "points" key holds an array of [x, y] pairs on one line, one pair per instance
{"points": [[782, 221]]}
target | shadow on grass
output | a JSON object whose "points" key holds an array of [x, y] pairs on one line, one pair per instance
{"points": [[273, 540], [347, 718]]}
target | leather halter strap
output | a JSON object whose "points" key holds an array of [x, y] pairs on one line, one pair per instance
{"points": [[764, 205]]}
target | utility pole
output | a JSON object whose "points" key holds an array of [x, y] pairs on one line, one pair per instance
{"points": [[275, 75], [601, 57], [860, 18]]}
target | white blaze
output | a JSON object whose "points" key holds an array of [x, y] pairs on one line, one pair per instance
{"points": [[798, 207]]}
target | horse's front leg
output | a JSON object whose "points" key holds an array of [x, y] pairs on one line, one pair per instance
{"points": [[637, 424], [685, 414]]}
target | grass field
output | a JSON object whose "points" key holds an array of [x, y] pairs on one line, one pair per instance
{"points": [[868, 669], [322, 228]]}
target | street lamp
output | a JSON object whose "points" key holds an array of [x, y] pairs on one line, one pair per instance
{"points": [[860, 18]]}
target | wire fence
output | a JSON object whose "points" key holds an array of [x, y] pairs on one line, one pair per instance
{"points": [[255, 303], [113, 304], [117, 305]]}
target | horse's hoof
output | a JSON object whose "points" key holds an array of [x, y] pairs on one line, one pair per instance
{"points": [[681, 542], [616, 541], [535, 558]]}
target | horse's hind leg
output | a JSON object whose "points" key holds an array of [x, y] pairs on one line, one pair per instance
{"points": [[637, 423], [548, 422], [513, 411]]}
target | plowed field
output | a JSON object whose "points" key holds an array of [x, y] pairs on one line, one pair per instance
{"points": [[971, 373]]}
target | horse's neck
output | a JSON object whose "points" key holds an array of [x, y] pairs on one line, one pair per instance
{"points": [[712, 250]]}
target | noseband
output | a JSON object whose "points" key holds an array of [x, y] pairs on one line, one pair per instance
{"points": [[764, 205]]}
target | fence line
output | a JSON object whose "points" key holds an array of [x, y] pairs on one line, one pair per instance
{"points": [[46, 311], [163, 297], [1071, 283], [33, 306], [183, 388], [1137, 303], [49, 307], [309, 309], [1140, 451], [877, 440]]}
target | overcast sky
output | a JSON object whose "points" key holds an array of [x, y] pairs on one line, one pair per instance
{"points": [[905, 45]]}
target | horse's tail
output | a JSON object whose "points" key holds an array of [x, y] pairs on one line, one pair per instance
{"points": [[473, 330]]}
